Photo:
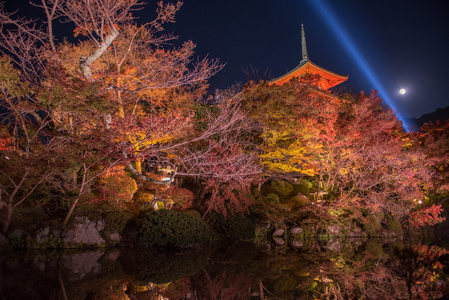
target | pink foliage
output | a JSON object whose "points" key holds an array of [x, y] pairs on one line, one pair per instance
{"points": [[426, 216]]}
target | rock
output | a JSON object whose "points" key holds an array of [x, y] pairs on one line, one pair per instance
{"points": [[279, 241], [297, 244], [334, 245], [115, 237], [333, 229], [357, 232], [279, 232], [296, 230], [114, 255], [84, 232], [39, 263], [101, 225], [42, 235], [388, 233], [82, 264]]}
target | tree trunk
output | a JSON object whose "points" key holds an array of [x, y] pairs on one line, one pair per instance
{"points": [[7, 220], [139, 165], [69, 214]]}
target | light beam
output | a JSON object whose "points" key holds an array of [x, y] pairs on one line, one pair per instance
{"points": [[350, 46]]}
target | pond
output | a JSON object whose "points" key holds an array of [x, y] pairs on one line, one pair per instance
{"points": [[315, 269]]}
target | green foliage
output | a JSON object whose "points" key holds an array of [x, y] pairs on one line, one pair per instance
{"points": [[272, 198], [281, 188], [116, 220], [172, 228], [393, 224], [29, 218], [10, 79], [296, 202], [372, 225], [194, 213], [236, 227], [303, 187]]}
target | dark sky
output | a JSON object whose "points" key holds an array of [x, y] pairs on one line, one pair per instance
{"points": [[405, 43], [380, 44]]}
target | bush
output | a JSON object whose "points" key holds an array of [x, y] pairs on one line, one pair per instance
{"points": [[236, 227], [372, 226], [116, 220], [296, 202], [281, 188], [171, 228], [303, 187], [120, 187], [394, 225], [272, 198]]}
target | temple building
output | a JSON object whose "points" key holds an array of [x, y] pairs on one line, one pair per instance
{"points": [[327, 79]]}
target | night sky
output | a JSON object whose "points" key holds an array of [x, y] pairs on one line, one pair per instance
{"points": [[404, 42], [381, 44]]}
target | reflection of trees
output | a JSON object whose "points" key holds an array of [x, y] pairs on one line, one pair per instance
{"points": [[162, 266], [422, 270], [413, 272], [372, 270]]}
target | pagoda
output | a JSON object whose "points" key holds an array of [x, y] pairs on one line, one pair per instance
{"points": [[327, 78]]}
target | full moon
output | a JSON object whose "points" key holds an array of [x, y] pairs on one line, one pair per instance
{"points": [[402, 91]]}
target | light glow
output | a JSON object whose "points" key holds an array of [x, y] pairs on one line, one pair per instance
{"points": [[356, 55], [402, 91]]}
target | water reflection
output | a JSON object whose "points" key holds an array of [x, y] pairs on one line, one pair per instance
{"points": [[354, 269]]}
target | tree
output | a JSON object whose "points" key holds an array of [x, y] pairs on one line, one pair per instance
{"points": [[297, 120], [374, 166], [352, 146], [31, 154], [433, 140]]}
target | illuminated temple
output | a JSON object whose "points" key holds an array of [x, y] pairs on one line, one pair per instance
{"points": [[327, 79]]}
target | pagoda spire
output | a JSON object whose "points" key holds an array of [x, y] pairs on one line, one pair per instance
{"points": [[304, 46]]}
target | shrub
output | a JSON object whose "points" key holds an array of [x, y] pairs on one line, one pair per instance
{"points": [[116, 220], [236, 227], [171, 228], [120, 187], [281, 188], [372, 225], [296, 202], [303, 187], [394, 224], [272, 198]]}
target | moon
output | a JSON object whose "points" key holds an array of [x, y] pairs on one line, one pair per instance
{"points": [[402, 91]]}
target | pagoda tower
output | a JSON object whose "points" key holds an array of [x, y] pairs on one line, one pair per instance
{"points": [[327, 79]]}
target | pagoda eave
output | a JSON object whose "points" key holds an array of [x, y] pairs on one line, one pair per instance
{"points": [[327, 79]]}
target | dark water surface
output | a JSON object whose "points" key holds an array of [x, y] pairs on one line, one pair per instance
{"points": [[356, 269]]}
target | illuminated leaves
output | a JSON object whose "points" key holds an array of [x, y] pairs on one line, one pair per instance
{"points": [[426, 216]]}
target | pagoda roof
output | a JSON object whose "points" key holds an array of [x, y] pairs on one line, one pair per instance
{"points": [[327, 78]]}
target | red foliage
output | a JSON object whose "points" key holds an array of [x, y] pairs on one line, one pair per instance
{"points": [[426, 216], [182, 198], [6, 144]]}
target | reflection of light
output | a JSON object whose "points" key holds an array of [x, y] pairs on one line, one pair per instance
{"points": [[419, 201], [344, 38]]}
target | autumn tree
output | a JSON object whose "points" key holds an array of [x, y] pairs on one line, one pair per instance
{"points": [[373, 165], [31, 154], [433, 140], [351, 146], [296, 121]]}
